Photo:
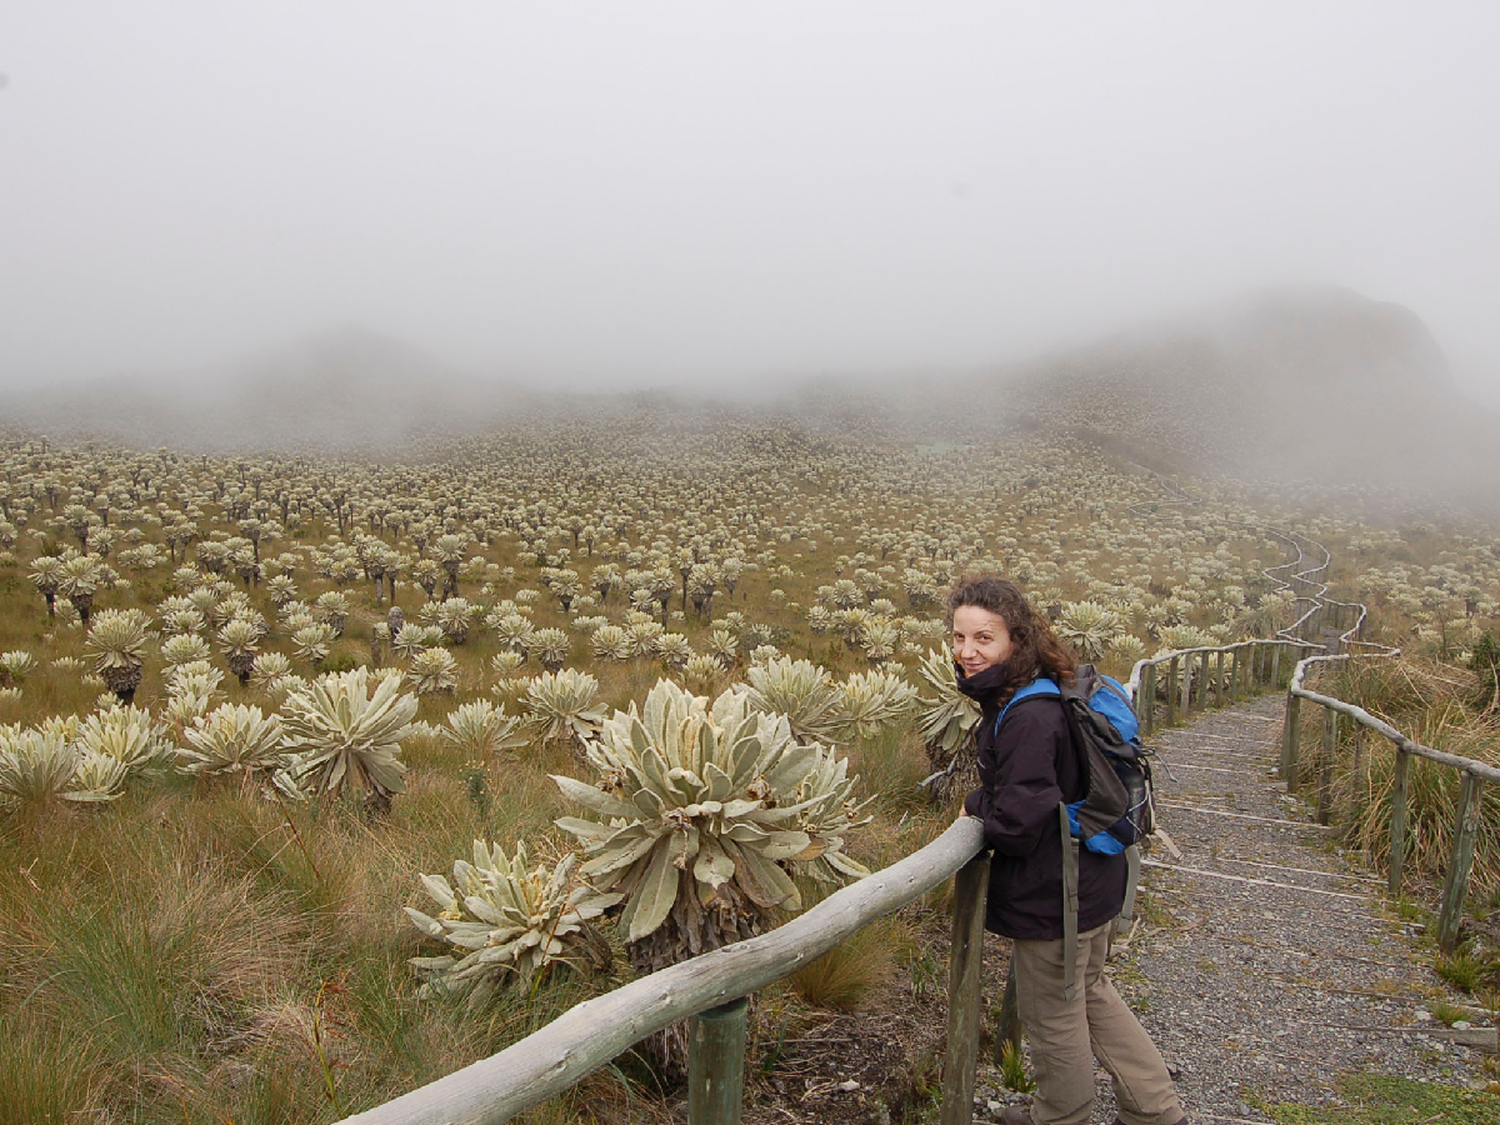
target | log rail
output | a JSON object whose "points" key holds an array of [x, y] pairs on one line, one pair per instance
{"points": [[592, 1033]]}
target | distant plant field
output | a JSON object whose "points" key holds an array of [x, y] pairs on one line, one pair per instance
{"points": [[247, 703]]}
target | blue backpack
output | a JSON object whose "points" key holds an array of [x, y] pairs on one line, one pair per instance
{"points": [[1115, 810]]}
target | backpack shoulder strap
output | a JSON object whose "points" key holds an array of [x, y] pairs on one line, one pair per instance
{"points": [[1039, 686]]}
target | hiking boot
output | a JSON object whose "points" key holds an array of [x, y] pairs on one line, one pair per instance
{"points": [[1180, 1121], [1016, 1115]]}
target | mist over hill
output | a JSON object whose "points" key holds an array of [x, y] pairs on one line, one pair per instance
{"points": [[1284, 384], [344, 390], [1290, 383]]}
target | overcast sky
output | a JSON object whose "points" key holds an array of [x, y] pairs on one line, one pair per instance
{"points": [[657, 192]]}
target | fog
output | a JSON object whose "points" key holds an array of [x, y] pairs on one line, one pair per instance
{"points": [[647, 194]]}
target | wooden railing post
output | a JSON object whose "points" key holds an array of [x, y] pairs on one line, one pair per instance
{"points": [[1234, 675], [1008, 1022], [1357, 769], [1325, 764], [1456, 886], [970, 889], [1276, 665], [1219, 678], [716, 1064], [1145, 704], [1172, 690], [1290, 738], [1398, 819]]}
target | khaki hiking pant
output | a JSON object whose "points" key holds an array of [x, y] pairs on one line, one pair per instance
{"points": [[1066, 1038]]}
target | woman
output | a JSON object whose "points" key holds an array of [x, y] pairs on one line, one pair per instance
{"points": [[1027, 765]]}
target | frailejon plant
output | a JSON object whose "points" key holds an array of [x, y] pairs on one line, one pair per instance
{"points": [[47, 576], [342, 732], [871, 701], [45, 764], [184, 648], [564, 707], [945, 716], [267, 669], [15, 666], [610, 642], [799, 690], [128, 735], [98, 777], [550, 646], [434, 670], [880, 640], [234, 739], [509, 923], [700, 813], [480, 729], [1090, 628], [311, 642], [81, 577], [117, 641], [240, 640]]}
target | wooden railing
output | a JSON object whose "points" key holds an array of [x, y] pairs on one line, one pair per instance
{"points": [[1195, 676], [1346, 620], [1472, 775], [711, 990]]}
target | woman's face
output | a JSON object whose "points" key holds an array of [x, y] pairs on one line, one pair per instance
{"points": [[980, 639]]}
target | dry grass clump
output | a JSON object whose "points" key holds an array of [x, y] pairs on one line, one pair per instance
{"points": [[1435, 704], [193, 952], [850, 974]]}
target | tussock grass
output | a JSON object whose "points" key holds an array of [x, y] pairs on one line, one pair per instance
{"points": [[47, 1076], [891, 766], [849, 974], [1438, 705], [181, 955]]}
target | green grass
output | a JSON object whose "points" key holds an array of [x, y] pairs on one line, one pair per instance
{"points": [[1380, 1099], [1446, 1013], [46, 1076], [1467, 968], [1014, 1071]]}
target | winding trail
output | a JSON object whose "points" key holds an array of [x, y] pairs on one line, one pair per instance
{"points": [[1267, 963]]}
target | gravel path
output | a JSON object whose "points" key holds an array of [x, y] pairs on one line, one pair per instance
{"points": [[1264, 963]]}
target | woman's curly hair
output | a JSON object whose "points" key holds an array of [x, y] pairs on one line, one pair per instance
{"points": [[1038, 650]]}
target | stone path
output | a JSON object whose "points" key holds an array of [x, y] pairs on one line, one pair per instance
{"points": [[1265, 963]]}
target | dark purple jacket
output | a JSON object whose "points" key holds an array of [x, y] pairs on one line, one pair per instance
{"points": [[1024, 774]]}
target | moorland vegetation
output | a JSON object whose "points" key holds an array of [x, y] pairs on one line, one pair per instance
{"points": [[320, 778]]}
